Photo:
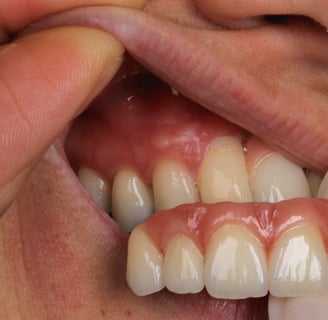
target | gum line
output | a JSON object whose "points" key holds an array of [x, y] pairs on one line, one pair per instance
{"points": [[267, 221]]}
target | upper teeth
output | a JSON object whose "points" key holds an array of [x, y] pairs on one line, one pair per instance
{"points": [[173, 186], [223, 174], [234, 263], [132, 200]]}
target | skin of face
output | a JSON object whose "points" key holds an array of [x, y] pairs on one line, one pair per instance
{"points": [[60, 257]]}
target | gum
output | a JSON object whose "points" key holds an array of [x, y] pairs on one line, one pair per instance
{"points": [[139, 121], [266, 221]]}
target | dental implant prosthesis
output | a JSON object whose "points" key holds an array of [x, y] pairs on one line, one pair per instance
{"points": [[208, 205]]}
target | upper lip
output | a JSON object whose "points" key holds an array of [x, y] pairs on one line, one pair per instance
{"points": [[177, 54]]}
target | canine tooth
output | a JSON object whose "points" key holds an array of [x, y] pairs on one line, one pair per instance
{"points": [[298, 264], [183, 266], [323, 189], [173, 186], [235, 265], [96, 186], [304, 308], [275, 179], [144, 265], [223, 175], [314, 181], [132, 201]]}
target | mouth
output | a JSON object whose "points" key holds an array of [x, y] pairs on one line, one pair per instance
{"points": [[216, 215]]}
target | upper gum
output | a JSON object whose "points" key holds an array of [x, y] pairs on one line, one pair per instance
{"points": [[141, 144]]}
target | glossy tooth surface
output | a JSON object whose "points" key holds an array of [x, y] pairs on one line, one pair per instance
{"points": [[173, 186], [298, 264], [314, 181], [305, 308], [235, 265], [183, 266], [223, 175], [144, 265], [132, 201], [98, 189], [323, 189], [275, 179]]}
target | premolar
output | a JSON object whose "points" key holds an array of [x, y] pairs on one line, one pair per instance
{"points": [[132, 200], [275, 179], [97, 187], [298, 264], [183, 266], [223, 175], [235, 264], [173, 186], [144, 265]]}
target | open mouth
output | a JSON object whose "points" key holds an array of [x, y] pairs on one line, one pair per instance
{"points": [[215, 213], [203, 196]]}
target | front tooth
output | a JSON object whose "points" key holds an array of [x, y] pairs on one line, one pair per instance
{"points": [[144, 265], [132, 200], [173, 186], [223, 175], [183, 266], [323, 189], [275, 179], [304, 308], [97, 187], [298, 264], [235, 265]]}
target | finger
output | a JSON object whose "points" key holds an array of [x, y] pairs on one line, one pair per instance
{"points": [[219, 9], [16, 14], [45, 79]]}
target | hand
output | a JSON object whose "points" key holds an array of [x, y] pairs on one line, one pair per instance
{"points": [[46, 78]]}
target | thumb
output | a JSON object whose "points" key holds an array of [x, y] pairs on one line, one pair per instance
{"points": [[237, 9], [45, 80]]}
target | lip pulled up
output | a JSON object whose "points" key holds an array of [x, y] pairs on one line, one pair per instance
{"points": [[268, 96]]}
